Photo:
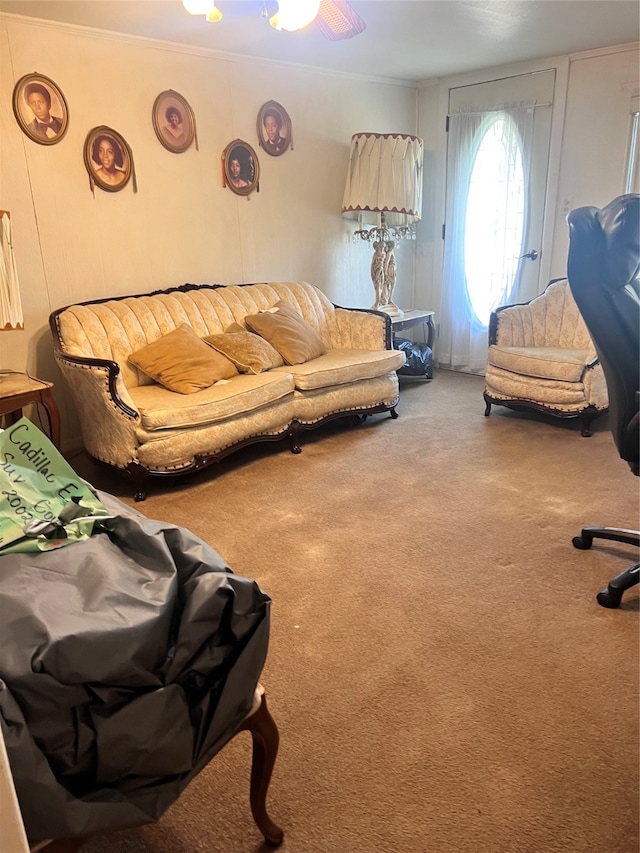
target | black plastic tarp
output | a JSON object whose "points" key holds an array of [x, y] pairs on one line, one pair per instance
{"points": [[127, 661]]}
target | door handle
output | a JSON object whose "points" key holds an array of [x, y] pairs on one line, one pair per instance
{"points": [[532, 255]]}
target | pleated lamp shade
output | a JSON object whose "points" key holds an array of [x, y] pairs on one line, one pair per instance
{"points": [[385, 175]]}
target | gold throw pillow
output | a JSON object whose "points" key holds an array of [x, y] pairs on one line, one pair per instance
{"points": [[182, 362], [249, 352], [288, 332]]}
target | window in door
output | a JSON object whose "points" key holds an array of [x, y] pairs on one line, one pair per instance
{"points": [[495, 211]]}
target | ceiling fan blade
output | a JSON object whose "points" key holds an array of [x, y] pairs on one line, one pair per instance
{"points": [[337, 20]]}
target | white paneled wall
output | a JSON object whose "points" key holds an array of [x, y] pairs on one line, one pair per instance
{"points": [[596, 130]]}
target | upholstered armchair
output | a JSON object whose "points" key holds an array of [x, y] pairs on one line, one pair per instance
{"points": [[541, 357]]}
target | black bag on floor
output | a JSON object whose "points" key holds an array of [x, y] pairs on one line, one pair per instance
{"points": [[418, 358]]}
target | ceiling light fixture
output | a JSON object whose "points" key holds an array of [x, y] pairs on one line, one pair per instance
{"points": [[337, 20], [203, 7], [293, 15], [334, 18]]}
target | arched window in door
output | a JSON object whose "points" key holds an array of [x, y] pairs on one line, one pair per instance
{"points": [[495, 215]]}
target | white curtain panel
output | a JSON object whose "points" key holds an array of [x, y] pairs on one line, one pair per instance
{"points": [[463, 339]]}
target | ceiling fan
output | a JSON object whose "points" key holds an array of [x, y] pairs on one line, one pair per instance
{"points": [[335, 19]]}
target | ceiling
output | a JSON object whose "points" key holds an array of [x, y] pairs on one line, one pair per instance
{"points": [[409, 40]]}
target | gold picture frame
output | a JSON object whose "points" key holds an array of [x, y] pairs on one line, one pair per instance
{"points": [[274, 128], [40, 109], [173, 121], [108, 159], [241, 167]]}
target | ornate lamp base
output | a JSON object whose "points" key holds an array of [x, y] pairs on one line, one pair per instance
{"points": [[383, 262], [383, 275], [389, 308]]}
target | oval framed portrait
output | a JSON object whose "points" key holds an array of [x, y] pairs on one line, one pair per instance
{"points": [[274, 128], [173, 121], [40, 109], [107, 158], [241, 167]]}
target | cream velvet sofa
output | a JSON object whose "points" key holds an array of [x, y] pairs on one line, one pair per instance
{"points": [[143, 429], [541, 357]]}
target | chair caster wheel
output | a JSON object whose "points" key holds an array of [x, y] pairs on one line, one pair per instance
{"points": [[581, 544], [608, 598]]}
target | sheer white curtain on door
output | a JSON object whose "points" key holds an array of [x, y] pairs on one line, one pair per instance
{"points": [[462, 343]]}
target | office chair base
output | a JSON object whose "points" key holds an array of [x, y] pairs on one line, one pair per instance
{"points": [[612, 595], [613, 534]]}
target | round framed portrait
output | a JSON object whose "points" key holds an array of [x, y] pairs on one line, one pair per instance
{"points": [[173, 121], [40, 109], [241, 167], [107, 158], [274, 128]]}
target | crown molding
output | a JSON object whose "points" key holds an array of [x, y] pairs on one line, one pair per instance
{"points": [[192, 50]]}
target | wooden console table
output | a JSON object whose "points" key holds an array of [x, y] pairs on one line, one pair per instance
{"points": [[18, 390], [416, 317]]}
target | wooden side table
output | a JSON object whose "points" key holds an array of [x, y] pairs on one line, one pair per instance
{"points": [[415, 317], [18, 390]]}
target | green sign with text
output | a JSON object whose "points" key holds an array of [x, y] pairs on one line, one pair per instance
{"points": [[43, 502]]}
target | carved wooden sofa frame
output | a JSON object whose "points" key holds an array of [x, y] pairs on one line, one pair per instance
{"points": [[124, 427]]}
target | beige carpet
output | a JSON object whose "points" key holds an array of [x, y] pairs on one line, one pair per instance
{"points": [[442, 676]]}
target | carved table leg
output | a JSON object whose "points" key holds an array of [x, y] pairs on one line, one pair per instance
{"points": [[264, 734]]}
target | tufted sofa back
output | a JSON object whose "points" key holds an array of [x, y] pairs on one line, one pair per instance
{"points": [[550, 320], [113, 329]]}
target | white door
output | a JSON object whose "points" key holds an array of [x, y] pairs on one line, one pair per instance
{"points": [[497, 161]]}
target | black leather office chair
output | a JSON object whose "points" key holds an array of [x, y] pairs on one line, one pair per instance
{"points": [[604, 276]]}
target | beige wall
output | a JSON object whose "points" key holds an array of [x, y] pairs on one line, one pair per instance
{"points": [[595, 136], [587, 152], [182, 225]]}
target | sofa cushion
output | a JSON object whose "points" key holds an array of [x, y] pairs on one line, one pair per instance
{"points": [[559, 363], [342, 366], [181, 361], [249, 352], [161, 409], [288, 332]]}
